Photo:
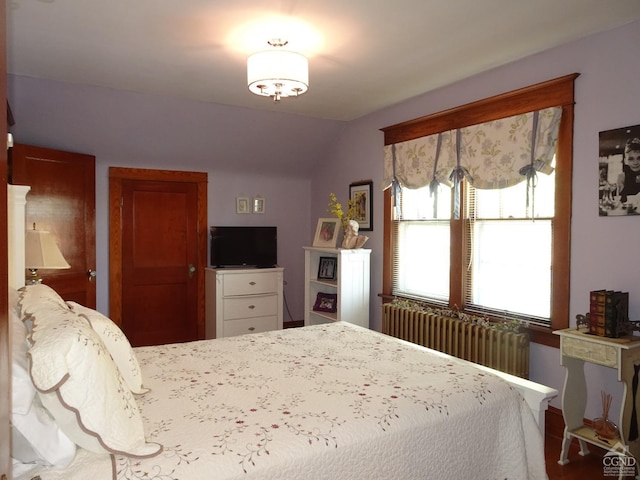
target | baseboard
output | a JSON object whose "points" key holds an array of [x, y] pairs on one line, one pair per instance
{"points": [[554, 423], [293, 324]]}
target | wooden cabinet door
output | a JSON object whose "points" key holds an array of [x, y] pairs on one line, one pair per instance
{"points": [[62, 201]]}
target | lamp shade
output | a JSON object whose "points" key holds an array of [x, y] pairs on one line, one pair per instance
{"points": [[277, 73], [41, 251]]}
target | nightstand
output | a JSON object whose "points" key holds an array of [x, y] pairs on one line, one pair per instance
{"points": [[621, 354]]}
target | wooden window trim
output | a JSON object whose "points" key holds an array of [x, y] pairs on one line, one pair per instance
{"points": [[558, 92]]}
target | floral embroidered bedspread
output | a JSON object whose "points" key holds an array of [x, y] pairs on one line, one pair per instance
{"points": [[324, 402]]}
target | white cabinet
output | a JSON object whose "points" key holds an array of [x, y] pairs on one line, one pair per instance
{"points": [[350, 286], [243, 301]]}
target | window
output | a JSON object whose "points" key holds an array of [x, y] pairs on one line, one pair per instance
{"points": [[509, 255], [492, 258], [421, 244]]}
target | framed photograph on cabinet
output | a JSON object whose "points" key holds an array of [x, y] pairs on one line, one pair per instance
{"points": [[327, 232], [361, 194], [242, 205], [326, 302], [327, 268]]}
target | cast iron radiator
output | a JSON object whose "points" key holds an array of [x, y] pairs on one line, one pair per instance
{"points": [[502, 350]]}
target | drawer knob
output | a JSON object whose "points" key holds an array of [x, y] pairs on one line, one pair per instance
{"points": [[251, 329], [251, 307], [252, 283]]}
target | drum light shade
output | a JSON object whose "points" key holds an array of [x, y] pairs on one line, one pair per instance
{"points": [[278, 73]]}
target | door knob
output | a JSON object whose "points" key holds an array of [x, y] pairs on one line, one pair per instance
{"points": [[91, 274], [192, 270]]}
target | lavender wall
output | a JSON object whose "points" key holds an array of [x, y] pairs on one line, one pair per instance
{"points": [[245, 152], [294, 162], [604, 251]]}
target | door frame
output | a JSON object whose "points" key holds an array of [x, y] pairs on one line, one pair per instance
{"points": [[116, 177], [5, 337]]}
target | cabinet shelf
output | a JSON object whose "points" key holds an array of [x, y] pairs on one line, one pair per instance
{"points": [[327, 283], [351, 285], [588, 434], [329, 316]]}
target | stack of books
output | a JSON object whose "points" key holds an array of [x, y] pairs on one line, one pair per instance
{"points": [[608, 313]]}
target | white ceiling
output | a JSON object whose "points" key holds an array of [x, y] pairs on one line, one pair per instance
{"points": [[363, 54]]}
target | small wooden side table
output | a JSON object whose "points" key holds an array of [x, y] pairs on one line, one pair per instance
{"points": [[577, 347]]}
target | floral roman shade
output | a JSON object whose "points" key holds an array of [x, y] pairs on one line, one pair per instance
{"points": [[491, 155]]}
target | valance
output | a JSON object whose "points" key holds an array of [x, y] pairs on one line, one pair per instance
{"points": [[489, 155]]}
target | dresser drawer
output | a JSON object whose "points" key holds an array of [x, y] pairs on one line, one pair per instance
{"points": [[248, 307], [250, 284], [606, 355], [241, 326]]}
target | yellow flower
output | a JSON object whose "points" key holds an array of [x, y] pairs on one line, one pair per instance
{"points": [[335, 208]]}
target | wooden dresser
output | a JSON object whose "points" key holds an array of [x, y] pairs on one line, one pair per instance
{"points": [[242, 301]]}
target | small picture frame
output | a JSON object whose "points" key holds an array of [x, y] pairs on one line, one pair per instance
{"points": [[327, 268], [258, 204], [326, 302], [361, 193], [327, 233], [242, 205]]}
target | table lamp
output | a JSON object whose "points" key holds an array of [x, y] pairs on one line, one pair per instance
{"points": [[41, 251]]}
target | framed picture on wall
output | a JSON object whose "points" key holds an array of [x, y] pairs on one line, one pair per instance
{"points": [[619, 172], [242, 205], [361, 193], [258, 205]]}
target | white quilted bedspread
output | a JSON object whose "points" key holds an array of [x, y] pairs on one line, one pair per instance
{"points": [[334, 402]]}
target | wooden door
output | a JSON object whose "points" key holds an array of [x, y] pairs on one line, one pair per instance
{"points": [[62, 201], [158, 254]]}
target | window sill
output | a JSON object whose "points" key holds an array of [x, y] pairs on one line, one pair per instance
{"points": [[537, 334], [543, 336]]}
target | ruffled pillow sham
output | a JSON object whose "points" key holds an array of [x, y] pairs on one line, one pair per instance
{"points": [[80, 385], [117, 344], [35, 437]]}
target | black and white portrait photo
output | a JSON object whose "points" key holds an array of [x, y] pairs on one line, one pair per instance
{"points": [[619, 172]]}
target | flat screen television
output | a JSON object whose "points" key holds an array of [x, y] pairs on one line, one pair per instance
{"points": [[233, 247]]}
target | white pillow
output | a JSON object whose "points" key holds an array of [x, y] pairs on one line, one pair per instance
{"points": [[38, 298], [35, 437], [117, 344], [80, 385]]}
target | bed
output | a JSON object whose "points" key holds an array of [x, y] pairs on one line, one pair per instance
{"points": [[333, 401]]}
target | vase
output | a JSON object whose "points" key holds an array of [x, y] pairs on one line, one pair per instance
{"points": [[605, 428]]}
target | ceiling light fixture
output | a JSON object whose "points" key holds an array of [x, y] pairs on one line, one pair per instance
{"points": [[277, 72]]}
